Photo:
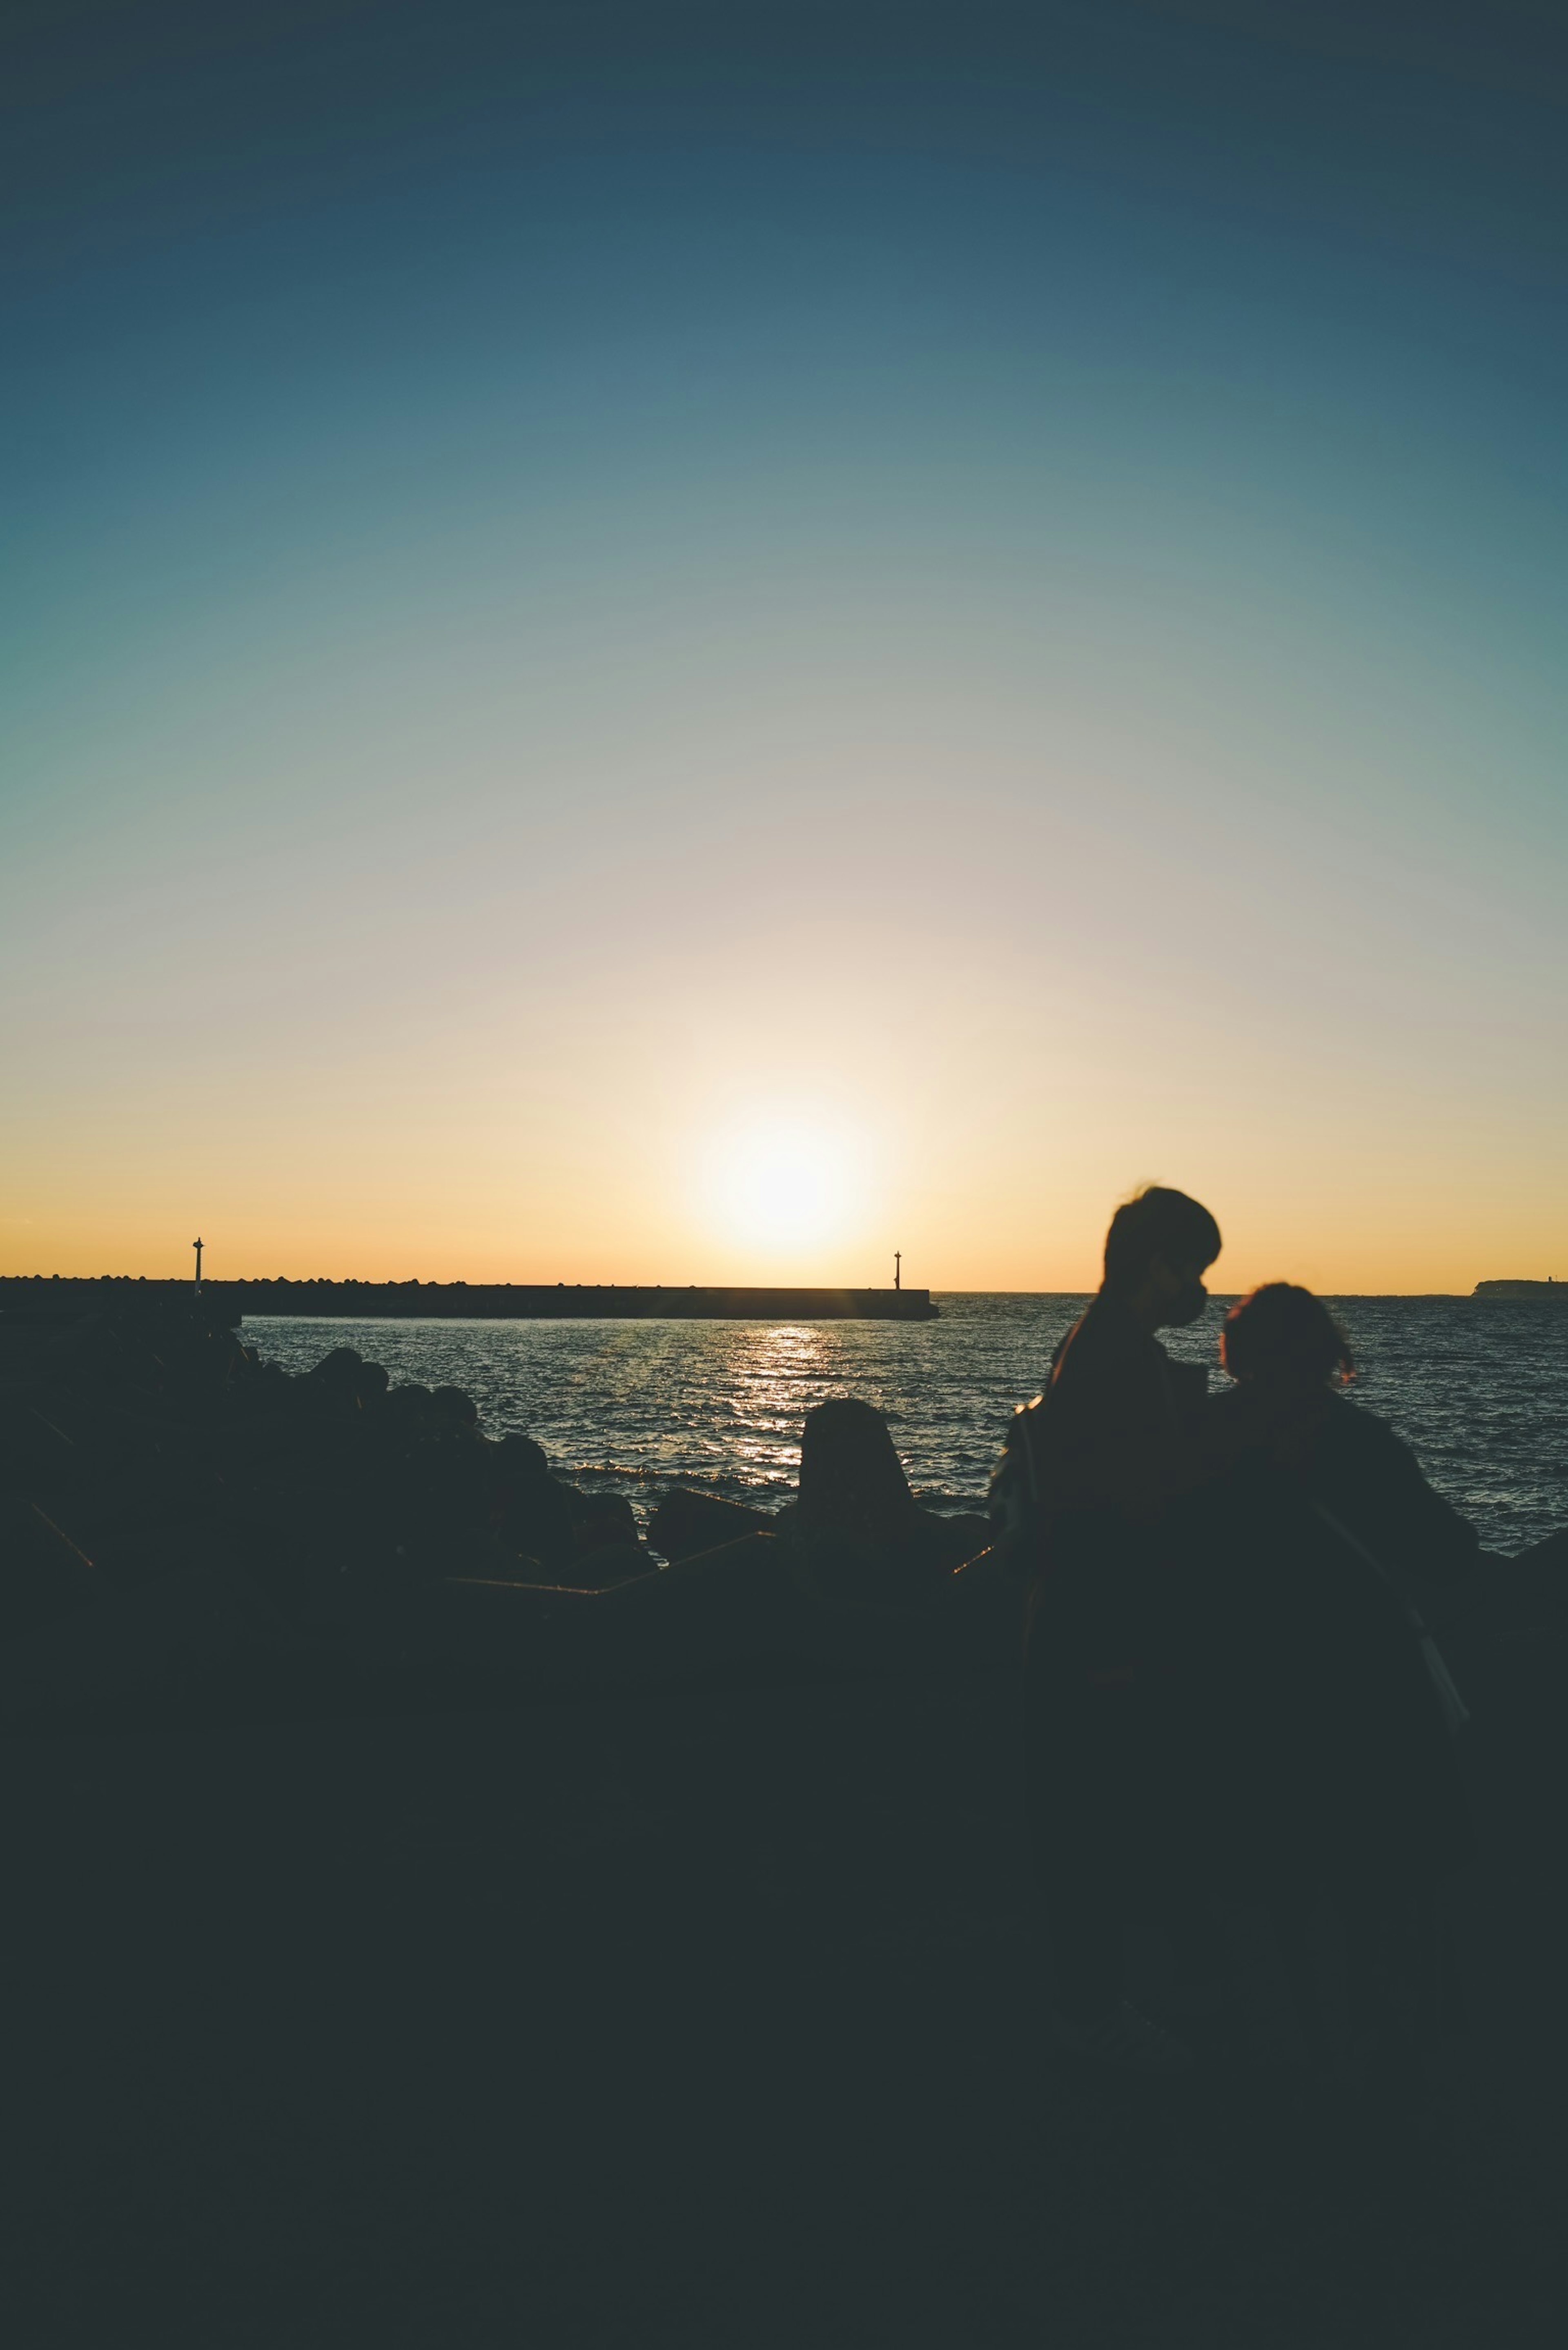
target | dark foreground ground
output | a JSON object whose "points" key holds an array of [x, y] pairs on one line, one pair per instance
{"points": [[701, 2018]]}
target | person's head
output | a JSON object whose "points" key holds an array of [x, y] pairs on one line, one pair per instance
{"points": [[1286, 1336], [1159, 1247]]}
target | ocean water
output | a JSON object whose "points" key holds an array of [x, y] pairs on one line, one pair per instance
{"points": [[1478, 1387]]}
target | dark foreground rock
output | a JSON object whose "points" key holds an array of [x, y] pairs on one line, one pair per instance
{"points": [[686, 1523], [152, 1468], [700, 2018]]}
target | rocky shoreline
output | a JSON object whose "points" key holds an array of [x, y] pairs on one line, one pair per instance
{"points": [[181, 1515]]}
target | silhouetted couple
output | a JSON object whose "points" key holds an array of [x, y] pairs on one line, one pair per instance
{"points": [[1231, 1688]]}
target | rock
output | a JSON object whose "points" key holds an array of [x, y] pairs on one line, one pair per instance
{"points": [[1550, 1555], [852, 1481], [521, 1457], [45, 1575], [862, 1538], [731, 1610], [606, 1565], [685, 1523], [458, 1409], [961, 1536], [603, 1518], [352, 1383], [533, 1515], [411, 1405], [158, 1642]]}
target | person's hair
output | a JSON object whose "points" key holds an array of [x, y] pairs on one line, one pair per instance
{"points": [[1283, 1328], [1157, 1222]]}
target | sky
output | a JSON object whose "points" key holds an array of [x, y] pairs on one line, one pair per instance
{"points": [[660, 644]]}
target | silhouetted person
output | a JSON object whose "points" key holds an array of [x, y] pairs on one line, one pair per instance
{"points": [[1087, 1475], [1288, 1358], [1329, 1712]]}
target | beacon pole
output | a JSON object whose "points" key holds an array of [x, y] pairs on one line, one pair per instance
{"points": [[897, 1268], [197, 1245]]}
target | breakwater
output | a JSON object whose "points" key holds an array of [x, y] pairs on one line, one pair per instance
{"points": [[1522, 1292], [500, 1301]]}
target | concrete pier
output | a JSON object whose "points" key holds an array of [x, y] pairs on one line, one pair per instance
{"points": [[482, 1300]]}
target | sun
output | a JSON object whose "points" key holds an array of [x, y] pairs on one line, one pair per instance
{"points": [[784, 1183]]}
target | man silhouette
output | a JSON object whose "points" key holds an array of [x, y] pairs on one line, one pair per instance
{"points": [[1087, 1475]]}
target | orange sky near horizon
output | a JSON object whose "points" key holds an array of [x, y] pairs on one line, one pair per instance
{"points": [[661, 1109], [251, 1252], [967, 1208], [965, 1081]]}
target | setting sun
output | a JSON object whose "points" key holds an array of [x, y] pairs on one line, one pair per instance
{"points": [[786, 1183]]}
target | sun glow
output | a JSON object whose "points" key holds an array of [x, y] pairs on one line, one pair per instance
{"points": [[786, 1183]]}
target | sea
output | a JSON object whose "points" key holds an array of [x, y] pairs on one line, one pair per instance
{"points": [[1478, 1387]]}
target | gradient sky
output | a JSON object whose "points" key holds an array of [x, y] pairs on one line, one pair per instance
{"points": [[963, 605]]}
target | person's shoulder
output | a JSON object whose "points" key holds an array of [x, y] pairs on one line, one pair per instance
{"points": [[1101, 1335], [1364, 1461], [1075, 1355], [1190, 1380], [1361, 1444], [1351, 1428], [1020, 1428]]}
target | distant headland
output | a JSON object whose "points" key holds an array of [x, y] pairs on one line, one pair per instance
{"points": [[362, 1300], [1556, 1289]]}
